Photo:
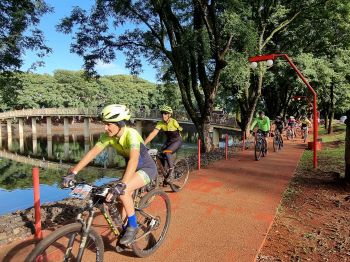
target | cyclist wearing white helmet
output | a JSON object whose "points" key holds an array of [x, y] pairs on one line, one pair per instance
{"points": [[172, 129], [140, 168]]}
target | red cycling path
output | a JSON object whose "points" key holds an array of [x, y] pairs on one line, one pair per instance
{"points": [[223, 214]]}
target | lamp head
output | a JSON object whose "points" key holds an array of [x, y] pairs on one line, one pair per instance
{"points": [[269, 63], [253, 65]]}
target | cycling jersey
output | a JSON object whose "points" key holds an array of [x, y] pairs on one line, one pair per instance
{"points": [[305, 122], [263, 124], [291, 122], [130, 139], [171, 129]]}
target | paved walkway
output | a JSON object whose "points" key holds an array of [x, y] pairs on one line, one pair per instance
{"points": [[223, 214]]}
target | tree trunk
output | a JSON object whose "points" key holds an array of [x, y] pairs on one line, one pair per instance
{"points": [[347, 147], [331, 111]]}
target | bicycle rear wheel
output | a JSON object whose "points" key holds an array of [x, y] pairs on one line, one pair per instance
{"points": [[258, 150], [63, 245], [153, 216], [181, 172]]}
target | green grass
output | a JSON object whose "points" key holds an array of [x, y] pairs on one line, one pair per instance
{"points": [[337, 135], [331, 157]]}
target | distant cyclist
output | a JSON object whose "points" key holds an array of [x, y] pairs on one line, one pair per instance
{"points": [[140, 168], [305, 124], [263, 123], [292, 123], [172, 129]]}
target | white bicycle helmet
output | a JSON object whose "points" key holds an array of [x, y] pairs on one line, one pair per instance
{"points": [[115, 113]]}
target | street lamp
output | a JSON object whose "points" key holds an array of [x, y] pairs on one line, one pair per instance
{"points": [[269, 61]]}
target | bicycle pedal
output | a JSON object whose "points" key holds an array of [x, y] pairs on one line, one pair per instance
{"points": [[119, 249]]}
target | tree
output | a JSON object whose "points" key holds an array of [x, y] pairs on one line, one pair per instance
{"points": [[190, 39], [19, 32]]}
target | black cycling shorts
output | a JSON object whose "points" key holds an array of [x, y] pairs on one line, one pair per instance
{"points": [[172, 146]]}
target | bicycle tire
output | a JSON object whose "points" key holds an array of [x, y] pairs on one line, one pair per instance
{"points": [[264, 148], [305, 135], [276, 144], [181, 173], [258, 151], [152, 244], [64, 231], [298, 131]]}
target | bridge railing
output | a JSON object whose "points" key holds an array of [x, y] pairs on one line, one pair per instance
{"points": [[216, 119]]}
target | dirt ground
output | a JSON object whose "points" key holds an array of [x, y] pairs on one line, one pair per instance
{"points": [[313, 222]]}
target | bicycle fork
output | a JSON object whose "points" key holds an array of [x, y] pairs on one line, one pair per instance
{"points": [[86, 229]]}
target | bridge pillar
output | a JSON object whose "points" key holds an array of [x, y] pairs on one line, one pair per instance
{"points": [[34, 136], [20, 132], [66, 129], [86, 130], [49, 136], [49, 126], [66, 137], [216, 137], [9, 134], [138, 126]]}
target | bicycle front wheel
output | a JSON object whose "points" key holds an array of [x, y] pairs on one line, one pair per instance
{"points": [[153, 217], [258, 151], [181, 172], [63, 245]]}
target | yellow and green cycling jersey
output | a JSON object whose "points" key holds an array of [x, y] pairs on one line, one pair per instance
{"points": [[306, 122], [263, 124], [130, 139], [171, 129]]}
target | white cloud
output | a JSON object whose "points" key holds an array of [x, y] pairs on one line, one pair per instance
{"points": [[110, 69]]}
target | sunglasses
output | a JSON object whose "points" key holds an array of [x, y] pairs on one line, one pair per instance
{"points": [[164, 113]]}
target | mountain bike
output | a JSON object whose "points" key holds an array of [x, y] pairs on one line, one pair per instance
{"points": [[289, 133], [277, 141], [304, 133], [260, 145], [180, 175], [79, 241]]}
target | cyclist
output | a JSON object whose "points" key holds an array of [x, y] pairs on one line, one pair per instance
{"points": [[173, 142], [279, 124], [292, 123], [140, 168], [305, 124], [263, 123]]}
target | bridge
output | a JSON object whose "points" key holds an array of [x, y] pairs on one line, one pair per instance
{"points": [[219, 121]]}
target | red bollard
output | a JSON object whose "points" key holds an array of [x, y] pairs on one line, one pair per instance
{"points": [[199, 154], [36, 187], [226, 147]]}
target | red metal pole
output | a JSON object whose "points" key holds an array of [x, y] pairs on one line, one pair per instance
{"points": [[36, 185], [199, 154], [226, 147], [315, 120]]}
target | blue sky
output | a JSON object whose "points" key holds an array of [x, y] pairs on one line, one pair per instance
{"points": [[61, 58]]}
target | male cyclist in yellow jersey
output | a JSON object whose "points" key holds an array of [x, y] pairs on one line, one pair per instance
{"points": [[140, 167], [172, 130]]}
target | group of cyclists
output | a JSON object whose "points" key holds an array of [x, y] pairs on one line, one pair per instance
{"points": [[263, 124], [140, 167]]}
